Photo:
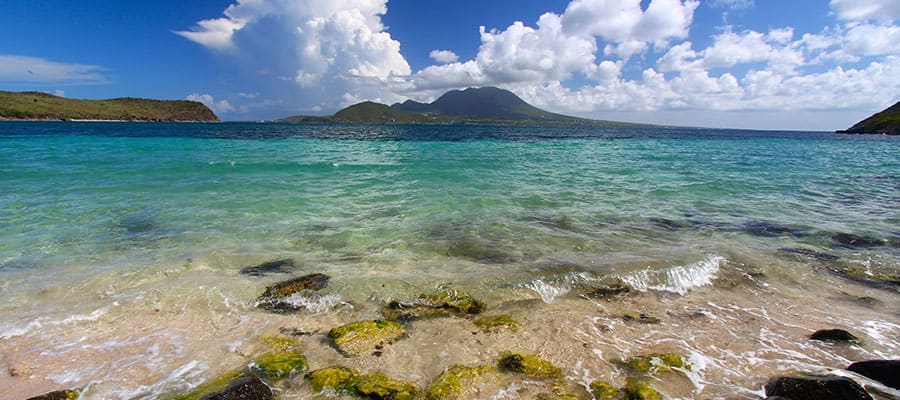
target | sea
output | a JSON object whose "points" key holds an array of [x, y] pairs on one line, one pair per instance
{"points": [[122, 247]]}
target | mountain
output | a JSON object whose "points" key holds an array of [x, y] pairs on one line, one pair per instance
{"points": [[485, 106], [44, 106], [886, 122]]}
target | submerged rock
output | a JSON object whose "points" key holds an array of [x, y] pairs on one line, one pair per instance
{"points": [[768, 229], [656, 362], [479, 250], [273, 299], [636, 389], [529, 365], [856, 242], [640, 318], [58, 395], [378, 386], [816, 255], [497, 323], [279, 365], [244, 388], [604, 391], [835, 336], [446, 303], [271, 267], [670, 225], [862, 275], [884, 371], [365, 336], [816, 388], [451, 383], [335, 377], [614, 289], [217, 385]]}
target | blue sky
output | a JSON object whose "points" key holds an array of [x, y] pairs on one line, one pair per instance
{"points": [[766, 64]]}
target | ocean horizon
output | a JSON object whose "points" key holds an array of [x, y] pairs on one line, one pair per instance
{"points": [[134, 257]]}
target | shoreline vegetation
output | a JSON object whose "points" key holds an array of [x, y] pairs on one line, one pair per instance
{"points": [[37, 106], [886, 122]]}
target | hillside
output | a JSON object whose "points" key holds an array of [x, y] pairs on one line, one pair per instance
{"points": [[886, 122], [43, 106], [473, 106]]}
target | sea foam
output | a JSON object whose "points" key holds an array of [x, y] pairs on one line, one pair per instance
{"points": [[679, 279]]}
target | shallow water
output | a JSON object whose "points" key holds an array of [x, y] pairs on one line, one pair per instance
{"points": [[121, 246]]}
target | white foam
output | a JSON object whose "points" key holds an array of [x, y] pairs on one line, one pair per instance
{"points": [[547, 291], [182, 379], [7, 332], [314, 303], [680, 279]]}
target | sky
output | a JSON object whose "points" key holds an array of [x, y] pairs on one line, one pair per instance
{"points": [[757, 64]]}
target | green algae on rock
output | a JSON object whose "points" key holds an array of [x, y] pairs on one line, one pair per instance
{"points": [[451, 383], [216, 385], [656, 362], [443, 304], [365, 336], [378, 386], [617, 288], [335, 377], [497, 323], [273, 297], [636, 389], [279, 365], [529, 365], [243, 388], [66, 394], [604, 391]]}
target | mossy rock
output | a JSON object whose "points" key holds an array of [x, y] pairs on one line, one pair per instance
{"points": [[216, 385], [66, 394], [243, 388], [604, 391], [365, 336], [862, 275], [617, 288], [640, 318], [657, 362], [636, 389], [497, 323], [554, 396], [446, 303], [451, 383], [276, 341], [279, 365], [273, 297], [529, 365], [335, 377], [378, 386]]}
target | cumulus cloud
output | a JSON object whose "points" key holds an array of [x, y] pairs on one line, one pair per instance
{"points": [[16, 69], [221, 106], [885, 10], [443, 56], [733, 4]]}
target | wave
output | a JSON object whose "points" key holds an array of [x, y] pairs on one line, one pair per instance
{"points": [[680, 279]]}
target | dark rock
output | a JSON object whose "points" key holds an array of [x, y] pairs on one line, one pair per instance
{"points": [[640, 318], [245, 388], [446, 303], [273, 298], [57, 395], [615, 289], [670, 225], [835, 335], [271, 267], [857, 242], [884, 371], [816, 255], [814, 388], [767, 229], [862, 275]]}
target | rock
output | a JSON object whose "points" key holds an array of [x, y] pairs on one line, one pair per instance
{"points": [[835, 335], [816, 255], [884, 371], [604, 391], [857, 242], [529, 365], [244, 388], [615, 289], [273, 297], [279, 365], [479, 250], [378, 386], [335, 377], [860, 274], [656, 362], [446, 303], [767, 229], [636, 389], [640, 318], [58, 395], [670, 225], [365, 336], [497, 323], [451, 383], [816, 388], [270, 267]]}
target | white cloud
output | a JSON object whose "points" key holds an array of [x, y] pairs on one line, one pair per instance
{"points": [[857, 10], [443, 56], [15, 69], [221, 106], [733, 4]]}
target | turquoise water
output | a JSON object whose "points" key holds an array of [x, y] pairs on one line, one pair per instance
{"points": [[482, 207]]}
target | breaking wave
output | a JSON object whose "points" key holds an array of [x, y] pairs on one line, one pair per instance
{"points": [[680, 279]]}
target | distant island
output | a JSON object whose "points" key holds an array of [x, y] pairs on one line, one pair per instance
{"points": [[473, 106], [886, 122], [44, 106]]}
